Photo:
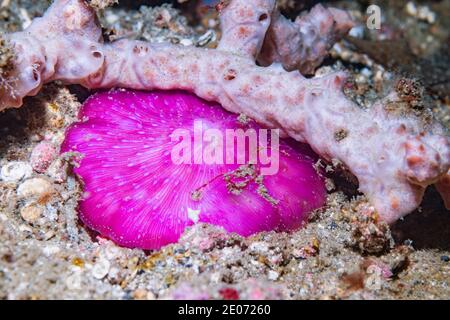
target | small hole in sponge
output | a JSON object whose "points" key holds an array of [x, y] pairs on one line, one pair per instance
{"points": [[263, 17], [231, 75], [35, 75], [97, 54]]}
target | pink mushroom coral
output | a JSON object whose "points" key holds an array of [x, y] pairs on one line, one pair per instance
{"points": [[139, 197]]}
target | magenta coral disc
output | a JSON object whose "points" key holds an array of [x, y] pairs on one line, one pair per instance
{"points": [[138, 196]]}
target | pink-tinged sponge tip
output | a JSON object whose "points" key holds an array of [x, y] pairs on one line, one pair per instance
{"points": [[149, 171]]}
